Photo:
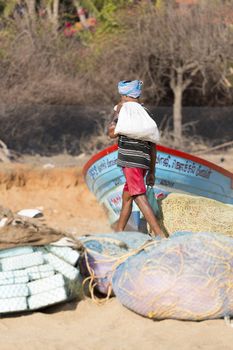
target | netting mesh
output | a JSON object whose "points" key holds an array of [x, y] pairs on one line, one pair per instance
{"points": [[103, 251], [189, 277], [196, 214]]}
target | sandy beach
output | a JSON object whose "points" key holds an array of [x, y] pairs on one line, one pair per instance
{"points": [[66, 202]]}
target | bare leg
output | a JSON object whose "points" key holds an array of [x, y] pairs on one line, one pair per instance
{"points": [[126, 211], [144, 206]]}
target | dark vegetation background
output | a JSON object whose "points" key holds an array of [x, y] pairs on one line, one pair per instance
{"points": [[52, 129], [57, 91]]}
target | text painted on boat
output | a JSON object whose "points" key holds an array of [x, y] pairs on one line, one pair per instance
{"points": [[183, 166], [162, 161]]}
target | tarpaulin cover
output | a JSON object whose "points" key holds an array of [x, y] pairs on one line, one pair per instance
{"points": [[17, 231]]}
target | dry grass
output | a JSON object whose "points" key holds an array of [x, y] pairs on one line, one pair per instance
{"points": [[38, 68], [190, 142], [98, 140]]}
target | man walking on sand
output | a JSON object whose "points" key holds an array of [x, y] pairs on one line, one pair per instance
{"points": [[137, 158]]}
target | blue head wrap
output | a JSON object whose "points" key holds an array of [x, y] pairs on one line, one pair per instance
{"points": [[131, 88]]}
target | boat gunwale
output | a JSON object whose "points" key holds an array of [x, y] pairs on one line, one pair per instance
{"points": [[162, 149]]}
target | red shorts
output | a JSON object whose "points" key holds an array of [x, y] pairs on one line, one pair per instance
{"points": [[134, 180]]}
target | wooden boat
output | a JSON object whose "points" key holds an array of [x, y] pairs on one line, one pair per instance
{"points": [[176, 171]]}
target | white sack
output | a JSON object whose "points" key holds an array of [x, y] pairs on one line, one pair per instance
{"points": [[135, 122]]}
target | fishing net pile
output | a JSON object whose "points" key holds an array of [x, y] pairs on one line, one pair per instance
{"points": [[187, 277], [183, 212]]}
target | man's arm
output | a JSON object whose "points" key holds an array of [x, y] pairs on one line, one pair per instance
{"points": [[150, 179], [111, 130], [112, 125]]}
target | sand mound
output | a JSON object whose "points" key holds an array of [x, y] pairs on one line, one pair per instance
{"points": [[61, 193]]}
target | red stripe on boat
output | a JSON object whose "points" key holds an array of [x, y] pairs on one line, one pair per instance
{"points": [[163, 149]]}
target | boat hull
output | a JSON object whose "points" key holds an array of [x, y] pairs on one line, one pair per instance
{"points": [[175, 172]]}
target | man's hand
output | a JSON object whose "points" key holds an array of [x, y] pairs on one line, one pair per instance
{"points": [[111, 130], [112, 125], [150, 179]]}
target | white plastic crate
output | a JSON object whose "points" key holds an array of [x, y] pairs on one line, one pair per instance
{"points": [[22, 261], [13, 304], [15, 251], [14, 280], [14, 290], [34, 276], [40, 249], [12, 274], [61, 266], [48, 298], [19, 273], [41, 271], [66, 253], [46, 284]]}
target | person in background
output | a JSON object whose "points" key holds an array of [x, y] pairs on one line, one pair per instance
{"points": [[137, 159]]}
